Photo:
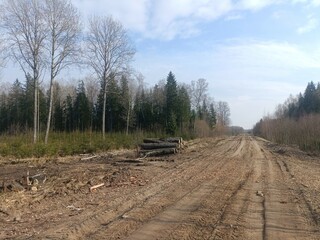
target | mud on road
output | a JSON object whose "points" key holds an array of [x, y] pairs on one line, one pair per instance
{"points": [[225, 188]]}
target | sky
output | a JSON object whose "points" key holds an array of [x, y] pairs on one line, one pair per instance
{"points": [[253, 53]]}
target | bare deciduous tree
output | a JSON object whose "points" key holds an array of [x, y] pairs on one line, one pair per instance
{"points": [[1, 55], [62, 43], [198, 92], [2, 47], [223, 113], [109, 50], [25, 33]]}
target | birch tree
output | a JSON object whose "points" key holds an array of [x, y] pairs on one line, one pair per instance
{"points": [[24, 25], [63, 25], [109, 50]]}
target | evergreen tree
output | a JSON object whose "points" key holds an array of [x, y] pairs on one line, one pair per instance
{"points": [[4, 121], [15, 107], [184, 108], [68, 114], [81, 109], [171, 104], [311, 99], [158, 106], [212, 116], [28, 103], [113, 105]]}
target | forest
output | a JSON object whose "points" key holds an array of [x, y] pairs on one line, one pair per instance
{"points": [[296, 121], [165, 108], [45, 38]]}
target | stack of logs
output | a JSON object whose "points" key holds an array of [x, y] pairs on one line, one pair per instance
{"points": [[158, 146]]}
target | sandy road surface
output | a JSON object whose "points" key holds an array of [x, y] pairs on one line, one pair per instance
{"points": [[228, 188]]}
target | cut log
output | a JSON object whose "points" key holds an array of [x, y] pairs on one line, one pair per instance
{"points": [[158, 152], [150, 146], [152, 140], [174, 140]]}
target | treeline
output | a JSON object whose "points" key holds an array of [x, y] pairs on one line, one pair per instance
{"points": [[167, 108], [297, 121]]}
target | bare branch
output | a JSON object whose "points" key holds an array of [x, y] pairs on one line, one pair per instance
{"points": [[109, 51]]}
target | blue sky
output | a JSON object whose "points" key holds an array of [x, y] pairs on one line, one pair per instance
{"points": [[253, 53]]}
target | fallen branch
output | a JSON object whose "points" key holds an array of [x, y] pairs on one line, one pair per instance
{"points": [[96, 186]]}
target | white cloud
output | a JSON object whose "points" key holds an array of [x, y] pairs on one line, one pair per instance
{"points": [[159, 18], [312, 3], [257, 4], [309, 26], [164, 19], [181, 18], [132, 14], [268, 54]]}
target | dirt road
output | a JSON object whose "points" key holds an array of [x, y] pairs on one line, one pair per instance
{"points": [[227, 188]]}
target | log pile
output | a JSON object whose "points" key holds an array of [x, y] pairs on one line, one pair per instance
{"points": [[152, 147]]}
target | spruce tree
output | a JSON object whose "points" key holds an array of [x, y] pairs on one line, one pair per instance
{"points": [[171, 104]]}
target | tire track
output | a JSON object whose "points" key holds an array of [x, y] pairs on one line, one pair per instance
{"points": [[108, 213]]}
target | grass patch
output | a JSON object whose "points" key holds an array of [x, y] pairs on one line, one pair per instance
{"points": [[65, 144], [68, 144]]}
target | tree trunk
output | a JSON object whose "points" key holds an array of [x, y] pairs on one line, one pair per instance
{"points": [[152, 140], [51, 86], [128, 119], [35, 113], [104, 109], [50, 111], [158, 152], [148, 146]]}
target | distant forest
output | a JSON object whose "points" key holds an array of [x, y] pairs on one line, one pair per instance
{"points": [[296, 121], [167, 108]]}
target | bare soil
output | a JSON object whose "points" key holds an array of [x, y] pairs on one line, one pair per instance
{"points": [[224, 188]]}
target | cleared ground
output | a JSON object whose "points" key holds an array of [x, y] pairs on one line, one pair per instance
{"points": [[225, 188]]}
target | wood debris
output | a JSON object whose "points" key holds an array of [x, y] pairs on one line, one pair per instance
{"points": [[96, 186], [152, 147]]}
